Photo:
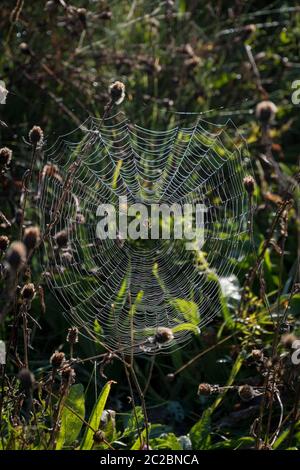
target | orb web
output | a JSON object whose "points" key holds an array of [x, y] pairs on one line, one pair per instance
{"points": [[125, 292]]}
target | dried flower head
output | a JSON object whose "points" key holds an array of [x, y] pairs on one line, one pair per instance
{"points": [[99, 437], [16, 255], [4, 242], [72, 336], [257, 354], [204, 389], [36, 135], [163, 335], [117, 92], [24, 48], [288, 339], [57, 359], [31, 237], [246, 392], [5, 157], [62, 238], [249, 184], [68, 376], [27, 379], [28, 292], [265, 111], [3, 92]]}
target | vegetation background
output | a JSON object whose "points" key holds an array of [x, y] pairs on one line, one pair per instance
{"points": [[57, 60]]}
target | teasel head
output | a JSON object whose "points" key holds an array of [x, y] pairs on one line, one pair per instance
{"points": [[57, 360], [36, 136], [16, 256], [31, 238], [5, 157], [265, 111], [4, 243], [72, 336], [117, 92], [249, 184], [28, 292]]}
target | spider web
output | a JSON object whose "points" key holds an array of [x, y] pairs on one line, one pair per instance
{"points": [[122, 291]]}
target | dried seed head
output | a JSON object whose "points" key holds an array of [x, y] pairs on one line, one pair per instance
{"points": [[288, 339], [117, 92], [31, 237], [163, 335], [246, 392], [28, 292], [204, 389], [72, 336], [57, 360], [50, 169], [5, 156], [99, 437], [257, 354], [27, 379], [16, 255], [249, 184], [36, 135], [68, 376], [62, 238], [66, 258], [265, 111], [24, 48], [4, 242]]}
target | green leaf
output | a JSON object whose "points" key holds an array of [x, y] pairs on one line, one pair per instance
{"points": [[188, 309], [200, 432], [138, 444], [116, 174], [94, 422], [186, 327], [166, 441], [70, 419]]}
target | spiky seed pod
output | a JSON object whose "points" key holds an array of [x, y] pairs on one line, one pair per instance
{"points": [[246, 392], [204, 389], [26, 379], [16, 255], [117, 92], [163, 335], [257, 354], [36, 135], [265, 111], [72, 336], [99, 437], [31, 237], [68, 376], [4, 242], [288, 339], [249, 184], [28, 292], [62, 239], [57, 359], [5, 156]]}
